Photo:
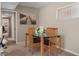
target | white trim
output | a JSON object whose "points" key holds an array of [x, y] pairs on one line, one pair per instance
{"points": [[70, 51], [1, 32], [76, 3], [16, 28], [57, 14], [16, 22], [66, 6], [9, 10], [12, 26]]}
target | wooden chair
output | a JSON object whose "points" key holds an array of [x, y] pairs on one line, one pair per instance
{"points": [[53, 40], [32, 40]]}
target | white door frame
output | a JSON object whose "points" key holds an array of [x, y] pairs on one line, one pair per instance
{"points": [[15, 13]]}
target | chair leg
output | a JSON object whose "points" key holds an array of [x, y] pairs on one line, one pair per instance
{"points": [[49, 49], [32, 48], [56, 51]]}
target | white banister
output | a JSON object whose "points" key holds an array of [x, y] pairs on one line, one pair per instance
{"points": [[68, 12]]}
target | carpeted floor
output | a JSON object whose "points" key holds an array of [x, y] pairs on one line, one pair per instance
{"points": [[21, 50]]}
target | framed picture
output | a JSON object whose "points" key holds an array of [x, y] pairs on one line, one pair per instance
{"points": [[27, 19], [23, 19], [32, 18]]}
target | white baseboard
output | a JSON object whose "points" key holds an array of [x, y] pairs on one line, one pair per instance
{"points": [[70, 51]]}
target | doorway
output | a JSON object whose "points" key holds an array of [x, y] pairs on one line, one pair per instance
{"points": [[8, 24]]}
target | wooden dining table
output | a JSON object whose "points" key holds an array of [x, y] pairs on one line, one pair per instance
{"points": [[42, 42]]}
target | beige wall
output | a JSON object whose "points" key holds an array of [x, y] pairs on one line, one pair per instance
{"points": [[22, 29], [68, 29]]}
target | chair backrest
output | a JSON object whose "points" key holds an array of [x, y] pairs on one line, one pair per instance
{"points": [[52, 32], [30, 32]]}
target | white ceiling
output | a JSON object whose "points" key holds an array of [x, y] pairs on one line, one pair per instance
{"points": [[42, 4], [9, 5], [34, 4], [13, 5]]}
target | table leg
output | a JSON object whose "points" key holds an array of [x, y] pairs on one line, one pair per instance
{"points": [[42, 46]]}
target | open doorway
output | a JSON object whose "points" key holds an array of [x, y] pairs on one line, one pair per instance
{"points": [[8, 25]]}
